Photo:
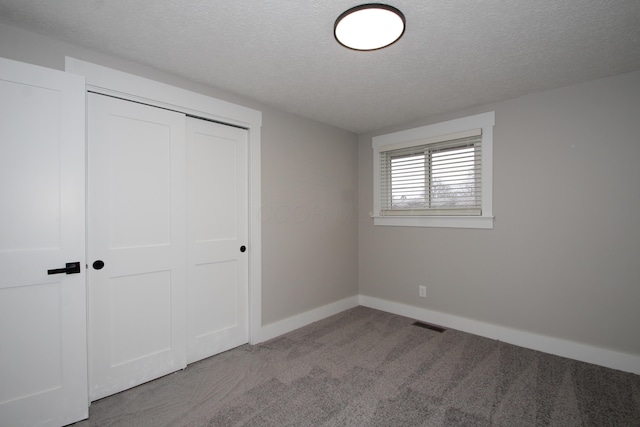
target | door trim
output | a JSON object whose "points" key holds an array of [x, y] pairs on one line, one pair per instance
{"points": [[111, 82]]}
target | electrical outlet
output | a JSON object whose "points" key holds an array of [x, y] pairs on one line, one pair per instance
{"points": [[422, 291]]}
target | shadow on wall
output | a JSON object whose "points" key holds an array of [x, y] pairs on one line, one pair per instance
{"points": [[306, 214]]}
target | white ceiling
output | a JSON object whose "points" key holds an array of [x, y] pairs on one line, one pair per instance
{"points": [[454, 53]]}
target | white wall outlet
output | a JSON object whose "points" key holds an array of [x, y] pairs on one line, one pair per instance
{"points": [[422, 291]]}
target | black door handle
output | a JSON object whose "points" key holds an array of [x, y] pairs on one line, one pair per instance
{"points": [[71, 268], [243, 248]]}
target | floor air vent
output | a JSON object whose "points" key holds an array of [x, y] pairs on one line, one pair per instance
{"points": [[428, 326]]}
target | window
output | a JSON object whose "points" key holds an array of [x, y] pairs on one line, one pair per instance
{"points": [[435, 176], [433, 179]]}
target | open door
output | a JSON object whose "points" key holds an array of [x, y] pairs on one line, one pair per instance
{"points": [[43, 343]]}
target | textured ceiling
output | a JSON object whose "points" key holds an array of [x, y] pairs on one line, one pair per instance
{"points": [[454, 54]]}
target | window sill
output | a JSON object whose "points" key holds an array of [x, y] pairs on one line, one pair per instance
{"points": [[483, 222]]}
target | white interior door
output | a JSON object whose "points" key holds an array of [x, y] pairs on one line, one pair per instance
{"points": [[217, 203], [43, 368], [137, 229]]}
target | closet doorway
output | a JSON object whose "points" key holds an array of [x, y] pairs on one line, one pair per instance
{"points": [[167, 241]]}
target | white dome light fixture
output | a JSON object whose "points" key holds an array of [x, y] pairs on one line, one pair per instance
{"points": [[369, 26]]}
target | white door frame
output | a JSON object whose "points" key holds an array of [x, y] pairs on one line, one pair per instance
{"points": [[111, 82]]}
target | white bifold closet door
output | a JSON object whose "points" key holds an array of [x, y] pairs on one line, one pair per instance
{"points": [[167, 216]]}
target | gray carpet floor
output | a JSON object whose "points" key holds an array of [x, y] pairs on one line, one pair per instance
{"points": [[364, 367]]}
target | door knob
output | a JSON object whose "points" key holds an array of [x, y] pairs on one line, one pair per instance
{"points": [[243, 248], [97, 265], [71, 268]]}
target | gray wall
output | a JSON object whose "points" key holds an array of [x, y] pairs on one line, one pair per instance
{"points": [[309, 185], [563, 259], [309, 220]]}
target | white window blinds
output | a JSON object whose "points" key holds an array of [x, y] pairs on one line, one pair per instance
{"points": [[436, 177]]}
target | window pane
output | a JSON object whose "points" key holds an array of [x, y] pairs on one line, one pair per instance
{"points": [[408, 186], [453, 178]]}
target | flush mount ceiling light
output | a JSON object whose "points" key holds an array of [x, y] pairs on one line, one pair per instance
{"points": [[369, 26]]}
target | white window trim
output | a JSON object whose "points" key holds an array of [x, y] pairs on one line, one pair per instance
{"points": [[405, 138]]}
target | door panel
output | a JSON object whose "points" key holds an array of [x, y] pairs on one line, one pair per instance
{"points": [[140, 182], [215, 305], [137, 302], [43, 368], [143, 322], [217, 202], [39, 343], [31, 162]]}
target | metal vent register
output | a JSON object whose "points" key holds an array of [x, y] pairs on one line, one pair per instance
{"points": [[428, 326]]}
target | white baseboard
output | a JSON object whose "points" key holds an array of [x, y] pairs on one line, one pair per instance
{"points": [[572, 350], [289, 324], [585, 353]]}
